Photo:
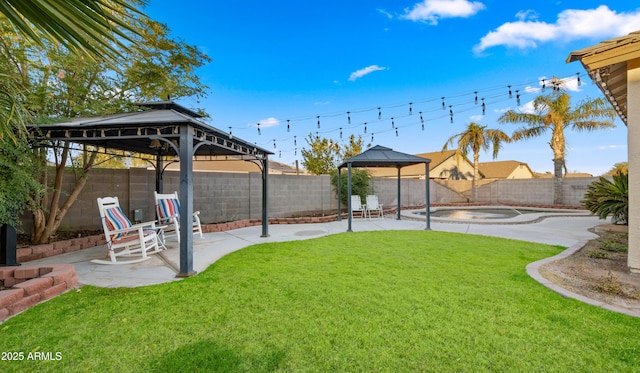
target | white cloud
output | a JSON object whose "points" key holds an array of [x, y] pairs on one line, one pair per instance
{"points": [[476, 118], [571, 24], [430, 11], [269, 122], [362, 72], [606, 147], [527, 108]]}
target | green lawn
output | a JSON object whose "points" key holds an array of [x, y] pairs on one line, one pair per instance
{"points": [[388, 301]]}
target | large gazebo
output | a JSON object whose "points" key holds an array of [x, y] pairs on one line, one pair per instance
{"points": [[169, 132], [380, 156]]}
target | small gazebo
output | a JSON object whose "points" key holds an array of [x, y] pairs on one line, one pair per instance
{"points": [[380, 156]]}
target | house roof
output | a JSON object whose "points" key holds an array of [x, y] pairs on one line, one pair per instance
{"points": [[438, 158], [606, 64], [500, 169]]}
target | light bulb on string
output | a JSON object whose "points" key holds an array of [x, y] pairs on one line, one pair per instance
{"points": [[318, 121], [317, 136], [259, 129], [396, 132], [274, 143], [579, 82], [288, 126], [393, 124], [510, 94], [340, 132], [476, 99], [294, 141], [280, 154], [348, 117], [518, 97], [365, 127], [544, 85], [371, 136], [422, 121], [484, 107], [411, 108], [295, 151], [379, 113], [443, 105], [230, 134]]}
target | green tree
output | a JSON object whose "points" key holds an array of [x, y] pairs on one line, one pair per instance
{"points": [[59, 83], [91, 28], [474, 139], [322, 155], [553, 113], [353, 148]]}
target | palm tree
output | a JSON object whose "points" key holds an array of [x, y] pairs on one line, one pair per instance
{"points": [[553, 113], [476, 138]]}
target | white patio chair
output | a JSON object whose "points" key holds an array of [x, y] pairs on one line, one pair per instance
{"points": [[373, 205], [124, 238], [357, 206], [168, 212]]}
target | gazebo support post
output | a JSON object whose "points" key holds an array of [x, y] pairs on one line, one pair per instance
{"points": [[159, 173], [265, 212], [186, 196], [349, 197], [339, 188], [427, 197], [399, 205]]}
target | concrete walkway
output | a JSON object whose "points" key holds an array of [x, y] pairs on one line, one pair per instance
{"points": [[163, 267]]}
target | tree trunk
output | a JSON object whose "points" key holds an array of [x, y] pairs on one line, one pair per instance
{"points": [[476, 172], [558, 165]]}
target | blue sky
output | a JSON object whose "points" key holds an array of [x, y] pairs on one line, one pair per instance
{"points": [[283, 64]]}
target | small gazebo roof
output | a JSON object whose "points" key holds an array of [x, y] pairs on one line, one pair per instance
{"points": [[380, 156]]}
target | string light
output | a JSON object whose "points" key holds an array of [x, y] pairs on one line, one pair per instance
{"points": [[294, 141], [492, 96], [371, 136]]}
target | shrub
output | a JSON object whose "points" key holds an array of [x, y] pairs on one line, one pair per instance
{"points": [[360, 184], [605, 198]]}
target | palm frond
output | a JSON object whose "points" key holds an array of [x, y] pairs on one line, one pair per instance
{"points": [[97, 27]]}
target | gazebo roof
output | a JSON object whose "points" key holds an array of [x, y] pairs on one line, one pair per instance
{"points": [[380, 156], [136, 132]]}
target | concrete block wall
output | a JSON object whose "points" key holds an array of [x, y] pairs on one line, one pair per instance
{"points": [[222, 197]]}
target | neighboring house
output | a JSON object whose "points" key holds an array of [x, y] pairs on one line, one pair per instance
{"points": [[505, 170], [236, 165], [443, 166]]}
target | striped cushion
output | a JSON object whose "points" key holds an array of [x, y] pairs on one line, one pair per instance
{"points": [[116, 219], [167, 208]]}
